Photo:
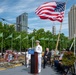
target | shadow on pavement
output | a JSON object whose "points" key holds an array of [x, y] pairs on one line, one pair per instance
{"points": [[26, 69]]}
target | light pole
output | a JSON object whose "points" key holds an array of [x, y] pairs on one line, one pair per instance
{"points": [[74, 45], [2, 45]]}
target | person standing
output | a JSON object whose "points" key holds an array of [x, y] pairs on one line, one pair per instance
{"points": [[28, 57], [38, 49], [10, 56]]}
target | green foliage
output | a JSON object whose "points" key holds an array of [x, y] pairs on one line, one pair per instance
{"points": [[49, 39], [68, 59]]}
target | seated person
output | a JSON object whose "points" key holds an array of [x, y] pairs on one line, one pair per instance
{"points": [[46, 57], [57, 62]]}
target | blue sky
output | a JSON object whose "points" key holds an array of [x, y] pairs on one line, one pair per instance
{"points": [[10, 9]]}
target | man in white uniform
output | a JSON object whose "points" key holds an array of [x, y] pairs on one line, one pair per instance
{"points": [[28, 57], [38, 49]]}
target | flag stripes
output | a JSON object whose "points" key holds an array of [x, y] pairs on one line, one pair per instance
{"points": [[51, 10]]}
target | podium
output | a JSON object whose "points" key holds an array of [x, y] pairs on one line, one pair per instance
{"points": [[34, 63]]}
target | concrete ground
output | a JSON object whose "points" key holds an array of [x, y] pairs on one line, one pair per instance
{"points": [[22, 70]]}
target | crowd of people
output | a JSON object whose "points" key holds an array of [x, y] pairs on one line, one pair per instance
{"points": [[51, 58], [48, 57]]}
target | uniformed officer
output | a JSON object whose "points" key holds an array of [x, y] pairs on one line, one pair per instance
{"points": [[28, 57], [38, 49]]}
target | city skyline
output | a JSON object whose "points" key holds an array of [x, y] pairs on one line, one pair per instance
{"points": [[22, 22], [54, 30], [72, 22], [10, 9]]}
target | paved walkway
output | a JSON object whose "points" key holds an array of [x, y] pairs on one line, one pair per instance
{"points": [[22, 70]]}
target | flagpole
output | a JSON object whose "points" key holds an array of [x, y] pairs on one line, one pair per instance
{"points": [[48, 43], [27, 42], [20, 41], [32, 43], [12, 43], [20, 44], [3, 23], [60, 31], [2, 45], [44, 44], [58, 38], [74, 44]]}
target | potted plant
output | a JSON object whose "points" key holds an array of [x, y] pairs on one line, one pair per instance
{"points": [[68, 58]]}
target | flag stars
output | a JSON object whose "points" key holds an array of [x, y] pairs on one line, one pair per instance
{"points": [[60, 7]]}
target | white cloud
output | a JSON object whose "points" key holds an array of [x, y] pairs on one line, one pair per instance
{"points": [[1, 10], [33, 19], [21, 6], [29, 6], [11, 19]]}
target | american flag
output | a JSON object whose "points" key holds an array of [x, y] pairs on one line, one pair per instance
{"points": [[51, 10]]}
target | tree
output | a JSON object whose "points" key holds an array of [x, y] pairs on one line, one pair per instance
{"points": [[49, 40]]}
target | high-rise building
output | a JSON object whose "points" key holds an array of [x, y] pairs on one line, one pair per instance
{"points": [[54, 30], [22, 22], [72, 21]]}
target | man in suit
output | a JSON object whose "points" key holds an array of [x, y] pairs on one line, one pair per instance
{"points": [[47, 56], [38, 49]]}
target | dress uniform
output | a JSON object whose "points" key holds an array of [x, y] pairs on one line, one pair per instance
{"points": [[38, 49]]}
